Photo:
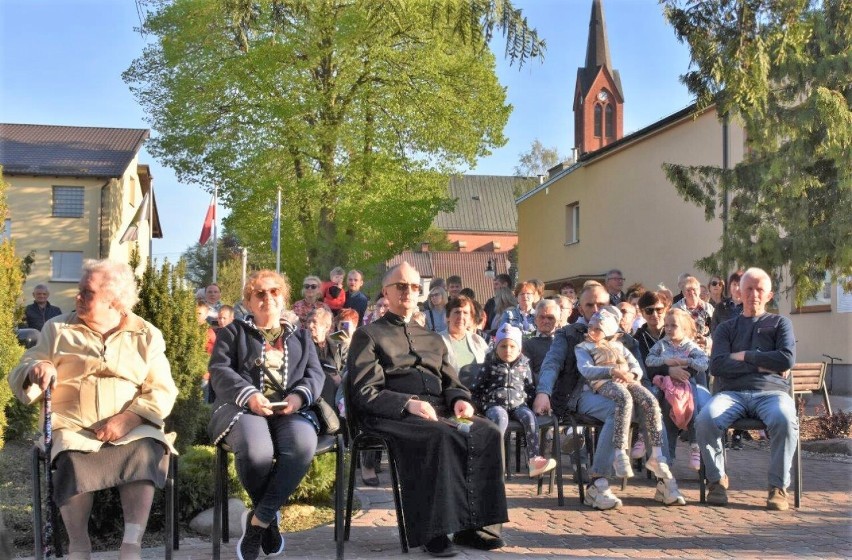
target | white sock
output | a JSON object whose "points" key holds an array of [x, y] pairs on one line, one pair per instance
{"points": [[132, 534]]}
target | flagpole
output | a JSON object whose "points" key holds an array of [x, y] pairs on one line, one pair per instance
{"points": [[278, 233], [151, 224], [215, 239]]}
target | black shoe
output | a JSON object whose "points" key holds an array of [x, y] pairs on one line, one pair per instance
{"points": [[440, 547], [737, 440], [248, 547], [478, 538], [272, 541], [370, 481]]}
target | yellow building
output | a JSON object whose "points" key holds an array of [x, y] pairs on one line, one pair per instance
{"points": [[73, 192], [614, 208]]}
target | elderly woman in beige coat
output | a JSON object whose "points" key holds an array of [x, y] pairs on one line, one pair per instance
{"points": [[112, 389]]}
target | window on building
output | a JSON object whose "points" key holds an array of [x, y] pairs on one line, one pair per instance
{"points": [[572, 223], [609, 123], [66, 266], [68, 202], [598, 119], [821, 301]]}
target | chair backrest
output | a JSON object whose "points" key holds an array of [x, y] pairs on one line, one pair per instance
{"points": [[809, 377]]}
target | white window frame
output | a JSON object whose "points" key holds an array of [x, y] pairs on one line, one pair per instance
{"points": [[572, 223], [58, 211], [66, 266]]}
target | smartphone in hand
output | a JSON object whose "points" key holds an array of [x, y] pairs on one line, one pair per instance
{"points": [[276, 406]]}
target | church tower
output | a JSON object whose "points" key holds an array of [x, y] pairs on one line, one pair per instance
{"points": [[598, 98]]}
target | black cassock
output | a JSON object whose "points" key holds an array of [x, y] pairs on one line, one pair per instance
{"points": [[451, 480]]}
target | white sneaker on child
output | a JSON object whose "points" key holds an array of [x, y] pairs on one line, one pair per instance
{"points": [[622, 464], [657, 465], [668, 493], [599, 496], [540, 465]]}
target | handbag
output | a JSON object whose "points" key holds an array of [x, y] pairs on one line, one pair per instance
{"points": [[326, 420]]}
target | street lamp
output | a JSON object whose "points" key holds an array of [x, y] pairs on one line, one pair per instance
{"points": [[489, 270]]}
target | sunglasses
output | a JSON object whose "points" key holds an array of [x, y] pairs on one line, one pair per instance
{"points": [[272, 292], [652, 310], [434, 295], [715, 283], [310, 286], [402, 286]]}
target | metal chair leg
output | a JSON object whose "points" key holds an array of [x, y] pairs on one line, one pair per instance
{"points": [[338, 496]]}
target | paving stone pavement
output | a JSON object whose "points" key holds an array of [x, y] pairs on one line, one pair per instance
{"points": [[643, 528]]}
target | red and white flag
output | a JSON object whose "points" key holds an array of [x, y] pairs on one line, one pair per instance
{"points": [[208, 222]]}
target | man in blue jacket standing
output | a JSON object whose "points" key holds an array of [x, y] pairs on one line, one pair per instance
{"points": [[750, 360]]}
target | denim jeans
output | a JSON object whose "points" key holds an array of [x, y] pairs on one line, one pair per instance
{"points": [[776, 409], [272, 456], [602, 408]]}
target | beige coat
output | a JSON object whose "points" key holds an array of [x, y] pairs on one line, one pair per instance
{"points": [[98, 378]]}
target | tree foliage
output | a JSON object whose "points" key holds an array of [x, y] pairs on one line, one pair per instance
{"points": [[784, 69], [199, 259], [167, 303], [533, 164], [357, 110], [11, 282]]}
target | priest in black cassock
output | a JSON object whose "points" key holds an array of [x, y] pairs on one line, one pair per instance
{"points": [[402, 386]]}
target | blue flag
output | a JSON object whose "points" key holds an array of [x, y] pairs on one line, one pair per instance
{"points": [[276, 221]]}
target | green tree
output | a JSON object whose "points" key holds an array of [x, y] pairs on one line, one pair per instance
{"points": [[11, 281], [199, 258], [358, 111], [167, 303], [532, 164], [782, 68]]}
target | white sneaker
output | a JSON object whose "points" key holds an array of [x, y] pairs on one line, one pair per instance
{"points": [[621, 465], [601, 497], [539, 465], [668, 493], [658, 466]]}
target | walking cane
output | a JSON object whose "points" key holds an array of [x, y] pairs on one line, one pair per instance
{"points": [[47, 533]]}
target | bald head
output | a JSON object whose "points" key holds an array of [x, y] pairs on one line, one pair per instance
{"points": [[401, 288]]}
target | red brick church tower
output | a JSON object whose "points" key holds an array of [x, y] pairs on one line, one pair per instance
{"points": [[598, 97]]}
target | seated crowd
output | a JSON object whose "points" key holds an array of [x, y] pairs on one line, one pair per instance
{"points": [[413, 372]]}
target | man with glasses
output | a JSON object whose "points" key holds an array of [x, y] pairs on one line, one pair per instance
{"points": [[614, 285], [547, 313], [561, 388], [450, 463]]}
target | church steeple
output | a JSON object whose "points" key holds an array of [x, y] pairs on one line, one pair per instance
{"points": [[598, 97]]}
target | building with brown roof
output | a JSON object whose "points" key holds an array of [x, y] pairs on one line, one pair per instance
{"points": [[73, 192]]}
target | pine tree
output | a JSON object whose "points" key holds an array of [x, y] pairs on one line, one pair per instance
{"points": [[782, 68], [11, 281], [166, 302]]}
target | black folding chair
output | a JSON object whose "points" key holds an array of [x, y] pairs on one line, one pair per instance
{"points": [[221, 530], [544, 423]]}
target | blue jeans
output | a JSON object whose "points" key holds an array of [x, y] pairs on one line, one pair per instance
{"points": [[272, 455], [500, 416], [603, 409], [776, 409]]}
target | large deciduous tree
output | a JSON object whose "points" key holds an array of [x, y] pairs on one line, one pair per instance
{"points": [[357, 110], [784, 69]]}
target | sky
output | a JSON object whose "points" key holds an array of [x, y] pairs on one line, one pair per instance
{"points": [[61, 63]]}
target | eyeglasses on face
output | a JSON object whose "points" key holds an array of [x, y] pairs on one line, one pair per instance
{"points": [[715, 283], [618, 278], [651, 310], [402, 286], [436, 294], [547, 317], [272, 292], [310, 286]]}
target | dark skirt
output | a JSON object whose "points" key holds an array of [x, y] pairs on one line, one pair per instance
{"points": [[451, 481], [78, 472]]}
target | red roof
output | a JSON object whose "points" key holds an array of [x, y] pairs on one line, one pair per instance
{"points": [[470, 266]]}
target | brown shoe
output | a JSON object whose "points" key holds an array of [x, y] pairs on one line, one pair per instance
{"points": [[777, 500], [717, 492]]}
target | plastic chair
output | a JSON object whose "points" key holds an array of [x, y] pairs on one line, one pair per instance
{"points": [[220, 533]]}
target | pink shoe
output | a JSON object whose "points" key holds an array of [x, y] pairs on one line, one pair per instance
{"points": [[695, 459], [638, 451]]}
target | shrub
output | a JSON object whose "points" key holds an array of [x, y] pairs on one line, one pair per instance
{"points": [[318, 483], [195, 483], [838, 425]]}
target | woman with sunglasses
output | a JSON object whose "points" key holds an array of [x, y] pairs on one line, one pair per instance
{"points": [[311, 299], [264, 374], [436, 310], [716, 287]]}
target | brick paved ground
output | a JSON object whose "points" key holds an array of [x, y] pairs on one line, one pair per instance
{"points": [[641, 529]]}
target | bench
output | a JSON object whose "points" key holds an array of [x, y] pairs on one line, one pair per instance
{"points": [[809, 378]]}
